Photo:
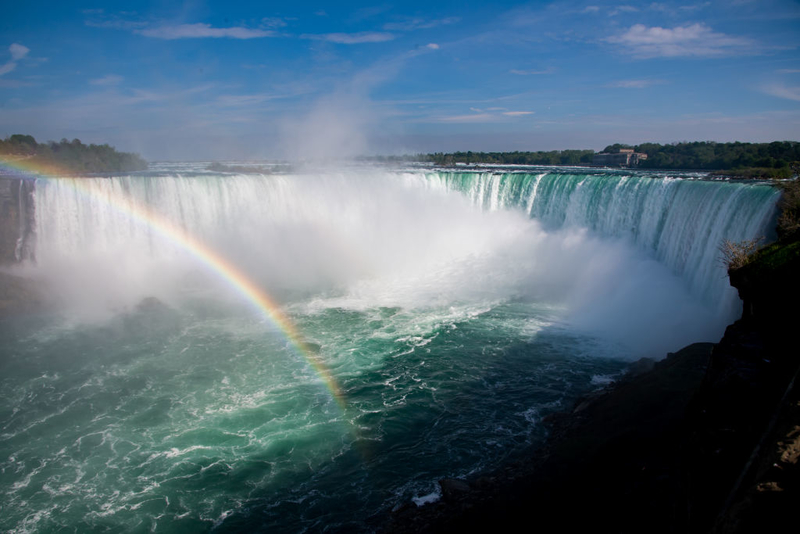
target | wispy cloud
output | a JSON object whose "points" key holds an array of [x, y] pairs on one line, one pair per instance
{"points": [[474, 117], [493, 114], [623, 9], [351, 38], [108, 79], [99, 19], [693, 7], [783, 91], [365, 13], [273, 22], [249, 100], [696, 40], [17, 52], [635, 84], [15, 84], [419, 24], [549, 70], [202, 30], [132, 22]]}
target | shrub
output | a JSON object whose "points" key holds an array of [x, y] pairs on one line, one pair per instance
{"points": [[789, 205], [738, 254]]}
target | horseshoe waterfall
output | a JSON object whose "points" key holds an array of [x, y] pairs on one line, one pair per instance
{"points": [[296, 351]]}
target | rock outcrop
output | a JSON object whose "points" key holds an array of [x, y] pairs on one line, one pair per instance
{"points": [[17, 220]]}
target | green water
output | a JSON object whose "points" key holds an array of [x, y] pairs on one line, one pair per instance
{"points": [[195, 420]]}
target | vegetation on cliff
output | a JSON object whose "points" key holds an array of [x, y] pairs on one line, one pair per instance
{"points": [[708, 155], [758, 258], [553, 157], [71, 156], [779, 159]]}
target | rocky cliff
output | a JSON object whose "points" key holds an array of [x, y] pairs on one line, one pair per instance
{"points": [[17, 244], [17, 220]]}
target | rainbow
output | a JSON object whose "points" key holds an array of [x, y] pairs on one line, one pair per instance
{"points": [[235, 278]]}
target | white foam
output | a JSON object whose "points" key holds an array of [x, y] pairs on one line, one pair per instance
{"points": [[427, 499]]}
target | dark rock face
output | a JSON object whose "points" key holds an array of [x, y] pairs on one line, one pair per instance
{"points": [[17, 221], [17, 245]]}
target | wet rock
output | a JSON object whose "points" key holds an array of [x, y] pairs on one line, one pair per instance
{"points": [[453, 488]]}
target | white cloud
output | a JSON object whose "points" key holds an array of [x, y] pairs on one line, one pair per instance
{"points": [[432, 46], [635, 84], [108, 79], [201, 30], [590, 9], [17, 52], [695, 40], [351, 38], [517, 113], [783, 91]]}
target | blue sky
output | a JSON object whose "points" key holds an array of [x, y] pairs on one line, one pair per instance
{"points": [[212, 80]]}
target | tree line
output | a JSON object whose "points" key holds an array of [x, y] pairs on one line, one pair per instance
{"points": [[708, 155], [780, 156], [73, 156], [553, 157]]}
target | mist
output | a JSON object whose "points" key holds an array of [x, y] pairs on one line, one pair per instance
{"points": [[358, 240]]}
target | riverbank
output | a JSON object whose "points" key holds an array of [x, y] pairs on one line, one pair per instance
{"points": [[708, 440]]}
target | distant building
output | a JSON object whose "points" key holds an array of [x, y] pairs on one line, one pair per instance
{"points": [[626, 157]]}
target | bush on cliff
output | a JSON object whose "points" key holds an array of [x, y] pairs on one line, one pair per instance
{"points": [[789, 205], [738, 254]]}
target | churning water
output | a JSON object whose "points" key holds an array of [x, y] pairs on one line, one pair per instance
{"points": [[436, 315]]}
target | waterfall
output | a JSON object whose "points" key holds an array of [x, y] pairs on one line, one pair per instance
{"points": [[403, 238], [680, 222]]}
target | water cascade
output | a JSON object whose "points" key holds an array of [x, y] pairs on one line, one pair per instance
{"points": [[435, 318]]}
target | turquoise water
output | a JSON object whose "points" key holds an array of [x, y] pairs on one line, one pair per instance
{"points": [[153, 397]]}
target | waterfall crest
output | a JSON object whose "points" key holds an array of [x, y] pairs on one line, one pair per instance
{"points": [[680, 222]]}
